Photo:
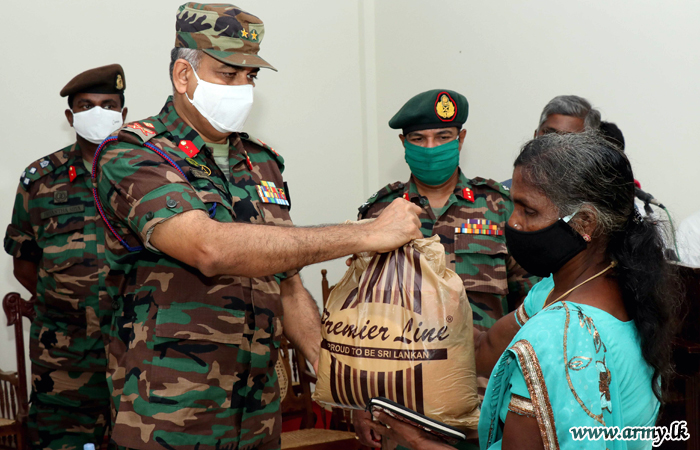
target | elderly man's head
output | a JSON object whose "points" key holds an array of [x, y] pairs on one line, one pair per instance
{"points": [[213, 67], [568, 114]]}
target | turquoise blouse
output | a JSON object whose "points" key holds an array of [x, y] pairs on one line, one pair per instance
{"points": [[570, 365]]}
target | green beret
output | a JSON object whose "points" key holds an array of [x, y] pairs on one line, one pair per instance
{"points": [[439, 108], [101, 80], [224, 32]]}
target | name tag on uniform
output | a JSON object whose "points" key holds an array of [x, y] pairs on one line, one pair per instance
{"points": [[64, 210], [479, 226], [269, 193]]}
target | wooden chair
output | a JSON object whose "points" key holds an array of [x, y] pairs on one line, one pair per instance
{"points": [[295, 386], [295, 390], [14, 398]]}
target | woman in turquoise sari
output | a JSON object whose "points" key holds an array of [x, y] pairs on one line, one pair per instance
{"points": [[594, 342]]}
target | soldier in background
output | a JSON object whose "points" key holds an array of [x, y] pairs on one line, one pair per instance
{"points": [[200, 291], [57, 244], [469, 215]]}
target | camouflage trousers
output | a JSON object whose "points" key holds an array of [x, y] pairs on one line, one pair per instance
{"points": [[68, 409]]}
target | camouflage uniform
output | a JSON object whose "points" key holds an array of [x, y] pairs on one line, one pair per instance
{"points": [[55, 225], [494, 282], [191, 357]]}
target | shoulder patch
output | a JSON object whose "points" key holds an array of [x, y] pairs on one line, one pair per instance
{"points": [[144, 129], [278, 158], [43, 167], [380, 194], [493, 184]]}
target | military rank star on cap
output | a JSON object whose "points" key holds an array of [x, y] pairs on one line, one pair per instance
{"points": [[224, 32], [438, 108]]}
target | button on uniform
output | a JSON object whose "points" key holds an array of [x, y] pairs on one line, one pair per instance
{"points": [[149, 214], [170, 203]]}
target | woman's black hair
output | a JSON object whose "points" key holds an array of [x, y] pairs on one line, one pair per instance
{"points": [[574, 170]]}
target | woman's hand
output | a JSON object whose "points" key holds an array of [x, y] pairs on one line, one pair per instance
{"points": [[405, 434], [362, 421]]}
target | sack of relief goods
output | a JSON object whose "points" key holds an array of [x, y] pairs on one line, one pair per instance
{"points": [[399, 325]]}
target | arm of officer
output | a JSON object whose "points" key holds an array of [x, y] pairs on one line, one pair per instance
{"points": [[301, 321], [26, 274], [490, 345], [217, 248]]}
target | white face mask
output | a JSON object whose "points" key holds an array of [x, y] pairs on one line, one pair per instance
{"points": [[95, 124], [225, 107]]}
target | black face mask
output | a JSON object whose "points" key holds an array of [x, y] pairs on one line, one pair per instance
{"points": [[544, 251]]}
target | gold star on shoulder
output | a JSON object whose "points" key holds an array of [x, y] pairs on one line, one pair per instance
{"points": [[254, 35], [244, 33]]}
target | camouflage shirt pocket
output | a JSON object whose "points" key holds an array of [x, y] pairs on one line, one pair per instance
{"points": [[200, 321], [197, 356], [62, 240], [481, 263]]}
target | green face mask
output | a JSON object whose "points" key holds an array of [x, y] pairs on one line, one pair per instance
{"points": [[433, 166]]}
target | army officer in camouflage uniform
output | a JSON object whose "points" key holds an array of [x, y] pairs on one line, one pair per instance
{"points": [[199, 288], [469, 215], [57, 244]]}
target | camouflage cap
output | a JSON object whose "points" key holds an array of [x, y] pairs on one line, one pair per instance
{"points": [[439, 108], [224, 32], [100, 80]]}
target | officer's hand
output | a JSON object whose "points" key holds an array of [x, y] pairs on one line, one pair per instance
{"points": [[395, 226], [361, 421]]}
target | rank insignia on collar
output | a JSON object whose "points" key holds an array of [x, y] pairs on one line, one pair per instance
{"points": [[32, 170], [468, 194], [269, 193], [189, 148], [72, 174], [60, 197], [445, 107], [43, 164], [405, 196]]}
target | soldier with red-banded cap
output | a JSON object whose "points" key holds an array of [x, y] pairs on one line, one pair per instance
{"points": [[57, 243]]}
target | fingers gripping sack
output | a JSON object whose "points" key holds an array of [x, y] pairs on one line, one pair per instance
{"points": [[399, 325]]}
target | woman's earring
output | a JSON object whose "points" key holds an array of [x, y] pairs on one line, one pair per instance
{"points": [[587, 237]]}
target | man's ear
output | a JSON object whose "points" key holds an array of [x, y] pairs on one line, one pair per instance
{"points": [[462, 135], [181, 75], [69, 117], [403, 138], [124, 111]]}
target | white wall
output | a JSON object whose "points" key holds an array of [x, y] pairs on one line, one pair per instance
{"points": [[311, 111], [345, 67], [637, 61]]}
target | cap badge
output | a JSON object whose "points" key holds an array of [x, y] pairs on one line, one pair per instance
{"points": [[445, 107], [120, 82]]}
